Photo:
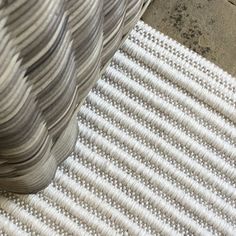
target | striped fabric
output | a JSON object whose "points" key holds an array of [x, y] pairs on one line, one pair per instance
{"points": [[52, 52], [155, 153]]}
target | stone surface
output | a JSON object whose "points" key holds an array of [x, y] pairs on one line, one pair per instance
{"points": [[206, 26]]}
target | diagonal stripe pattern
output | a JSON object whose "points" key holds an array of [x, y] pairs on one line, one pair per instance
{"points": [[155, 153]]}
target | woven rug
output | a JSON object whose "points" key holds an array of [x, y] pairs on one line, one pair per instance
{"points": [[155, 155]]}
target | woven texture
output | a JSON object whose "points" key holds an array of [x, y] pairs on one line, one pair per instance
{"points": [[51, 54], [155, 152]]}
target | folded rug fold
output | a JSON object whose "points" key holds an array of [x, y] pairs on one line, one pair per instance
{"points": [[52, 53]]}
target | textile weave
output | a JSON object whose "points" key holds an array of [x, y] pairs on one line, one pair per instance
{"points": [[155, 153]]}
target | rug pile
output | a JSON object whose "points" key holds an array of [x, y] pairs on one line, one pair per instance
{"points": [[155, 154]]}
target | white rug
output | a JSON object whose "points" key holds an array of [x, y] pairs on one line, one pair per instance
{"points": [[156, 152]]}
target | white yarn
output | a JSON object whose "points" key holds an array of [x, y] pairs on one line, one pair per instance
{"points": [[159, 85], [140, 168], [9, 228], [165, 107], [187, 55], [198, 75], [176, 76]]}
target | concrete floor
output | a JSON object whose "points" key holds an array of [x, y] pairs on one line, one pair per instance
{"points": [[206, 26]]}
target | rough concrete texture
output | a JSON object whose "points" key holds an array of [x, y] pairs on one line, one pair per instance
{"points": [[206, 26]]}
